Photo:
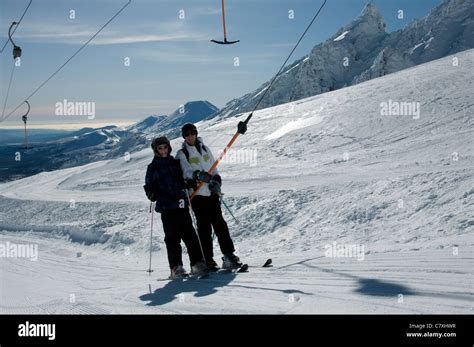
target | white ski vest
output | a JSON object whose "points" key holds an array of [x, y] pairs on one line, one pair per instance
{"points": [[197, 161]]}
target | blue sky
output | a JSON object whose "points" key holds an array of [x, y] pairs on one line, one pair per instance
{"points": [[171, 59]]}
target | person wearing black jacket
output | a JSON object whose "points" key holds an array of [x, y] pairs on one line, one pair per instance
{"points": [[164, 184]]}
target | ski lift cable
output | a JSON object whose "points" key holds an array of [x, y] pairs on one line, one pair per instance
{"points": [[288, 58], [8, 90], [67, 61], [16, 55], [242, 126], [18, 23]]}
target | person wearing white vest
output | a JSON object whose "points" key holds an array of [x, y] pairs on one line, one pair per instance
{"points": [[196, 159]]}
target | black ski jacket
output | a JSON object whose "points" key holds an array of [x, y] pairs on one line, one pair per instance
{"points": [[164, 183]]}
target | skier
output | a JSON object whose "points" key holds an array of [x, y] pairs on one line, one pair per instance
{"points": [[165, 185], [196, 159]]}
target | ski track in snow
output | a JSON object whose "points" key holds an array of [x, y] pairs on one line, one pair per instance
{"points": [[429, 282], [325, 169]]}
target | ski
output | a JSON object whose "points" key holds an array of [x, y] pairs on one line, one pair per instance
{"points": [[186, 278], [242, 268], [268, 263], [198, 277]]}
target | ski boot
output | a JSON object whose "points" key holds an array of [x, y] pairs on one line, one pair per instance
{"points": [[178, 272], [212, 266], [199, 269], [230, 261]]}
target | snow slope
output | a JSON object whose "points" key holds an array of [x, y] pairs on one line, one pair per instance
{"points": [[325, 169]]}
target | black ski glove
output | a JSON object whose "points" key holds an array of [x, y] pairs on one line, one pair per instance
{"points": [[217, 178], [190, 184], [151, 194], [242, 128], [214, 187], [201, 176]]}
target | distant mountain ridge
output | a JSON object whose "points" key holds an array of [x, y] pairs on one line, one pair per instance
{"points": [[190, 112], [88, 145]]}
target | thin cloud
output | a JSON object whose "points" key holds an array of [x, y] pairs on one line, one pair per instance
{"points": [[210, 11], [147, 38], [180, 57], [78, 34], [283, 44]]}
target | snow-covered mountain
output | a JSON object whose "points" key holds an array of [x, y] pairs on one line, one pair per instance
{"points": [[448, 29], [363, 50], [78, 148], [17, 136], [385, 168], [145, 124], [190, 112], [88, 145]]}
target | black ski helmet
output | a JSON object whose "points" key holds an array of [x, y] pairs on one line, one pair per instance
{"points": [[161, 140], [187, 128]]}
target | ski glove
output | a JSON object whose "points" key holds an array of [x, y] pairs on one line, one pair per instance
{"points": [[201, 176], [151, 194], [242, 128], [190, 184], [217, 178], [214, 187]]}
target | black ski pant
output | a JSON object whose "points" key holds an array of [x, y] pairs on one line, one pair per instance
{"points": [[177, 225], [209, 216]]}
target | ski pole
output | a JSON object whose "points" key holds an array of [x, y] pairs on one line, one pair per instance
{"points": [[151, 237], [228, 209], [195, 225], [221, 197]]}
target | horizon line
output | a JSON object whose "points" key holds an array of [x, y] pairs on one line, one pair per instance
{"points": [[69, 126]]}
